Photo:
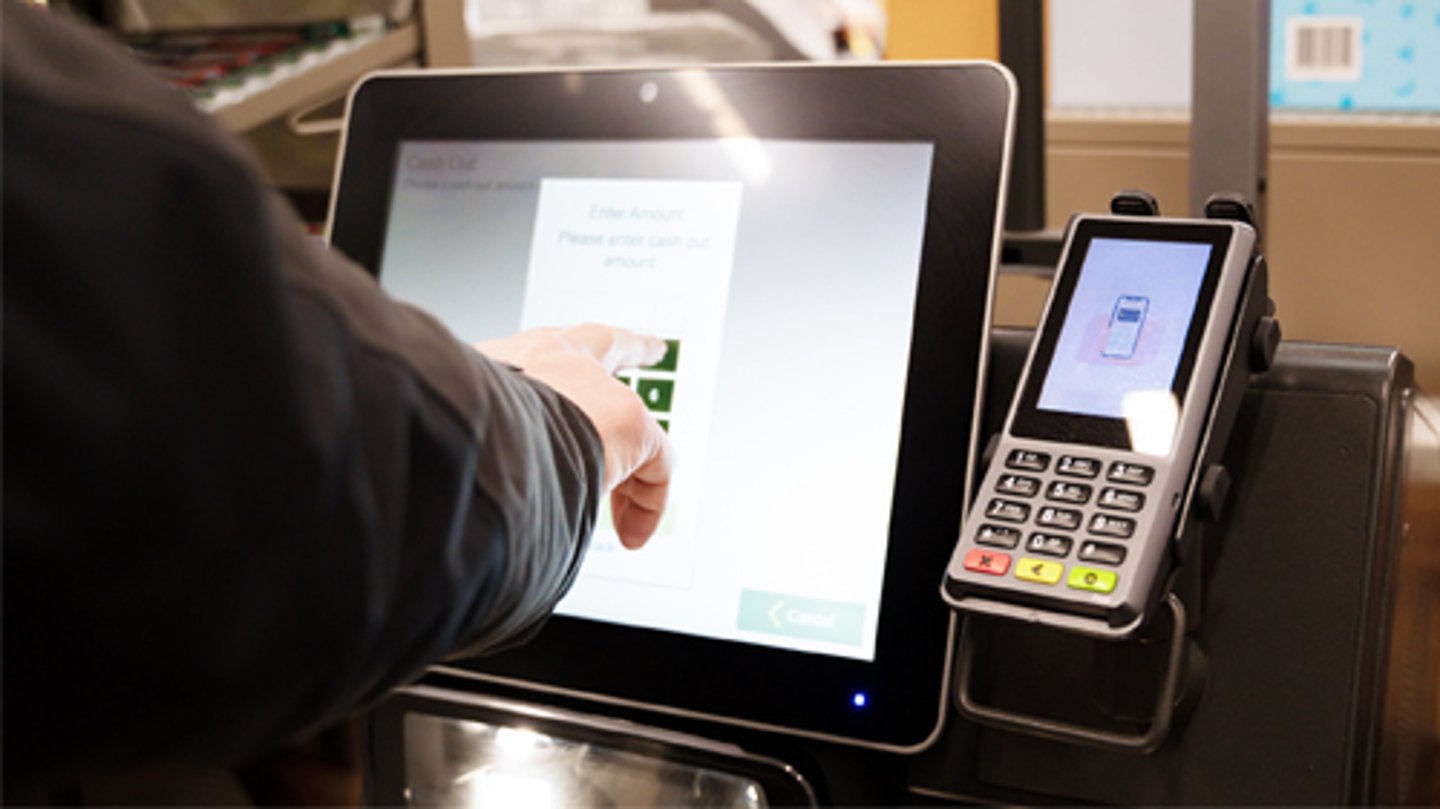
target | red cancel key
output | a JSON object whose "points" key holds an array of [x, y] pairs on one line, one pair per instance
{"points": [[982, 561]]}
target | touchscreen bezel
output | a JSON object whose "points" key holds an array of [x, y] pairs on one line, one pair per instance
{"points": [[966, 110], [1030, 420]]}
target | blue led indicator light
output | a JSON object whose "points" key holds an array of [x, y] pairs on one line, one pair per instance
{"points": [[859, 699]]}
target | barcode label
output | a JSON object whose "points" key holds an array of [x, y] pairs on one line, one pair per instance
{"points": [[1324, 48]]}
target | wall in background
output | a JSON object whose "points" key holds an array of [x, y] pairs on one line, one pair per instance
{"points": [[1370, 55], [1352, 237], [1377, 55], [1120, 53], [943, 29]]}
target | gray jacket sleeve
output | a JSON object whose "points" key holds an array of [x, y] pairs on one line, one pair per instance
{"points": [[244, 491]]}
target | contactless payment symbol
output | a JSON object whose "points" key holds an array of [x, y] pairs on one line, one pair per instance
{"points": [[1126, 319]]}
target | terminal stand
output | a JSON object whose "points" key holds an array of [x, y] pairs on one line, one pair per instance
{"points": [[1112, 667]]}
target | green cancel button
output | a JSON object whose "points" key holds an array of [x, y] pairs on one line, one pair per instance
{"points": [[796, 617]]}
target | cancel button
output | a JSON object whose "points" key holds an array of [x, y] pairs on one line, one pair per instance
{"points": [[799, 617]]}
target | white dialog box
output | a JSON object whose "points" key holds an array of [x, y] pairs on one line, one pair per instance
{"points": [[652, 256]]}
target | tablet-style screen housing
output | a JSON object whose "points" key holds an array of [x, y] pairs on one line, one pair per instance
{"points": [[890, 694]]}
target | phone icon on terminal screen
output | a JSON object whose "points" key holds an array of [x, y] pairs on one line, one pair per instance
{"points": [[1126, 320]]}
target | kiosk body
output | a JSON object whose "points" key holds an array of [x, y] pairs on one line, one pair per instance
{"points": [[1317, 615]]}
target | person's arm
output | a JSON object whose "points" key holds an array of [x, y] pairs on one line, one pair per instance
{"points": [[244, 491]]}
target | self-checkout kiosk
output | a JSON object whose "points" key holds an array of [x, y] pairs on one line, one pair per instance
{"points": [[1241, 619]]}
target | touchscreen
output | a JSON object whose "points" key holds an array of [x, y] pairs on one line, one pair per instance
{"points": [[1124, 332], [783, 275]]}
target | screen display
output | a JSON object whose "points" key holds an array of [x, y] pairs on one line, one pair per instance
{"points": [[1125, 328], [783, 273]]}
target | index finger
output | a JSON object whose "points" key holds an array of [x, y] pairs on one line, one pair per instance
{"points": [[616, 348], [638, 503]]}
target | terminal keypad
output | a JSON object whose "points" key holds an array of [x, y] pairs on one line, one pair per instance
{"points": [[1078, 467], [997, 536], [1121, 499], [1051, 517], [1049, 544], [1101, 552], [1066, 492], [1107, 526], [1028, 460], [1071, 520], [1007, 510], [1132, 473], [1018, 485]]}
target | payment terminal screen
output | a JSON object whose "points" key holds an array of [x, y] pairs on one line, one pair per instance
{"points": [[1125, 330], [783, 276]]}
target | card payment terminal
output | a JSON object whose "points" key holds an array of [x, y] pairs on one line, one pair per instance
{"points": [[1074, 520]]}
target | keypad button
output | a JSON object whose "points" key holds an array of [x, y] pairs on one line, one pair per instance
{"points": [[1121, 500], [1133, 473], [1051, 517], [1028, 460], [656, 393], [1064, 492], [989, 562], [1007, 510], [997, 536], [671, 360], [1049, 544], [1018, 485], [1101, 553], [1077, 467], [1096, 581], [1039, 571], [1107, 526]]}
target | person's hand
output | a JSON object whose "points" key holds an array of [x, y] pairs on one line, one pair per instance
{"points": [[580, 363]]}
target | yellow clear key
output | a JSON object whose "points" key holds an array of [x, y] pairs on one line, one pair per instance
{"points": [[1039, 571]]}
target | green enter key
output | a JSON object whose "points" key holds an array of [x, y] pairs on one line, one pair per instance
{"points": [[1088, 578], [796, 617]]}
